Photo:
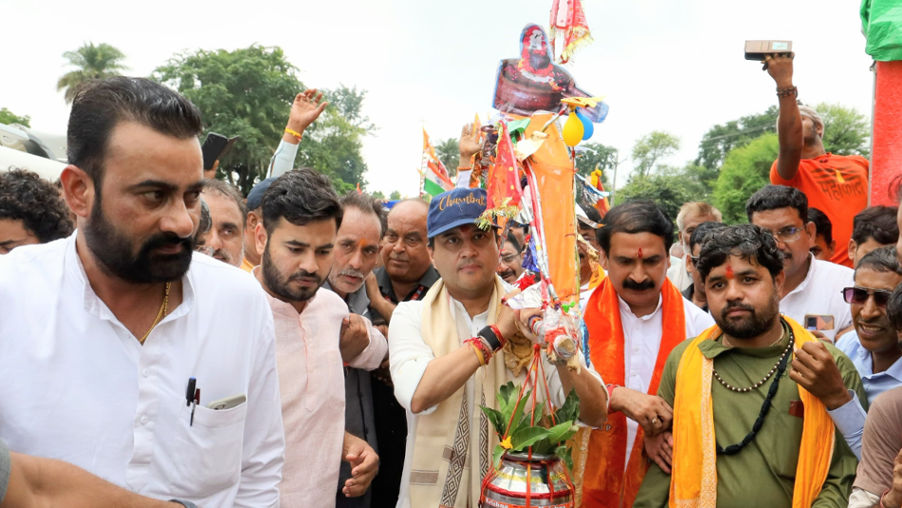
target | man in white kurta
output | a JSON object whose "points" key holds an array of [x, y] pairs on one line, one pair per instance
{"points": [[122, 351], [80, 388]]}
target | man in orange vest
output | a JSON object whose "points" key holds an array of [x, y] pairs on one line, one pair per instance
{"points": [[635, 318]]}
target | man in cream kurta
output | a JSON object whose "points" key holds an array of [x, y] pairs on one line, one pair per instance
{"points": [[437, 376], [301, 215]]}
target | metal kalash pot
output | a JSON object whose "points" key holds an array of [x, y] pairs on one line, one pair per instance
{"points": [[546, 485]]}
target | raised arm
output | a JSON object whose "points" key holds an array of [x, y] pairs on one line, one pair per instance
{"points": [[305, 109], [789, 123]]}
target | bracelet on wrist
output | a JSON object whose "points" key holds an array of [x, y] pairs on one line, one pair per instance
{"points": [[490, 335], [788, 92], [501, 338], [478, 353], [293, 132], [483, 352]]}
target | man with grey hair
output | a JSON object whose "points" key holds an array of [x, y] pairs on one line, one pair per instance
{"points": [[835, 184], [225, 238], [691, 214], [356, 253]]}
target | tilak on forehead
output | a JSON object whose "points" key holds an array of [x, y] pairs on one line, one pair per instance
{"points": [[639, 253], [729, 271]]}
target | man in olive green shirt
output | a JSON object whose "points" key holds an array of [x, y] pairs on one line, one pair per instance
{"points": [[742, 272]]}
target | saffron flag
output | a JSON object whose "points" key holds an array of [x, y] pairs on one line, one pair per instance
{"points": [[568, 24], [602, 205], [503, 185], [434, 175]]}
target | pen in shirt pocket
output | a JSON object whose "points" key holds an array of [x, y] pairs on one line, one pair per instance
{"points": [[192, 398]]}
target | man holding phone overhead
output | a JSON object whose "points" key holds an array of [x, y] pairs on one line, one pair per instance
{"points": [[834, 184]]}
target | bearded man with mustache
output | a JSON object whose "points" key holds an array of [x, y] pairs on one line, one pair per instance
{"points": [[635, 317], [746, 424], [102, 330], [301, 216]]}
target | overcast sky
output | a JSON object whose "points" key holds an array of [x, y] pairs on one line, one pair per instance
{"points": [[663, 65]]}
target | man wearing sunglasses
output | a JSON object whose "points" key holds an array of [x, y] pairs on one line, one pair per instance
{"points": [[811, 292], [874, 346]]}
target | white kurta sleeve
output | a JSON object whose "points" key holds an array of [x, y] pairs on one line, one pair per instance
{"points": [[407, 353], [282, 160]]}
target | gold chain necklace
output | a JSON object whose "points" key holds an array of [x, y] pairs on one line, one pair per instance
{"points": [[163, 308]]}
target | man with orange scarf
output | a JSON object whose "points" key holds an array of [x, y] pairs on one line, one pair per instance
{"points": [[745, 433], [634, 318]]}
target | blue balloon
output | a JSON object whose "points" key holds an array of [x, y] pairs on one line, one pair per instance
{"points": [[588, 128]]}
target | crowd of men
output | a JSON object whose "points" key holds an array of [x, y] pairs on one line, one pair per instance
{"points": [[173, 342]]}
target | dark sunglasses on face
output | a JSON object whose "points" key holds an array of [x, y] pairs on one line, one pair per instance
{"points": [[860, 296]]}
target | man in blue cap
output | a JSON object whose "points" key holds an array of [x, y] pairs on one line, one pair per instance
{"points": [[438, 347], [253, 216]]}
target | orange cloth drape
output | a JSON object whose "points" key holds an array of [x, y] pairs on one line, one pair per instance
{"points": [[604, 482], [694, 482], [554, 172]]}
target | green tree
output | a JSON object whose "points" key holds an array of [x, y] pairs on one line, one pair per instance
{"points": [[247, 93], [377, 194], [720, 139], [592, 155], [745, 170], [846, 131], [650, 149], [8, 117], [394, 195], [448, 151], [92, 62], [334, 142], [669, 191]]}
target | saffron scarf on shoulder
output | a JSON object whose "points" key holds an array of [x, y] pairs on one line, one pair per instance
{"points": [[605, 483], [694, 482]]}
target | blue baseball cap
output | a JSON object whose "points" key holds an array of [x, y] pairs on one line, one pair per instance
{"points": [[255, 196], [454, 208]]}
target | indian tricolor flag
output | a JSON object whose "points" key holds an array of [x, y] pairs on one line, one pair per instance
{"points": [[435, 176]]}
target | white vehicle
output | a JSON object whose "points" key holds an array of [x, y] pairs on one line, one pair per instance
{"points": [[24, 149]]}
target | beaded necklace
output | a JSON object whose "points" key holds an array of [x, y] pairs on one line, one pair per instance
{"points": [[754, 386], [779, 368]]}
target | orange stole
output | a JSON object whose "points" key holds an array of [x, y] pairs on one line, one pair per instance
{"points": [[605, 484]]}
